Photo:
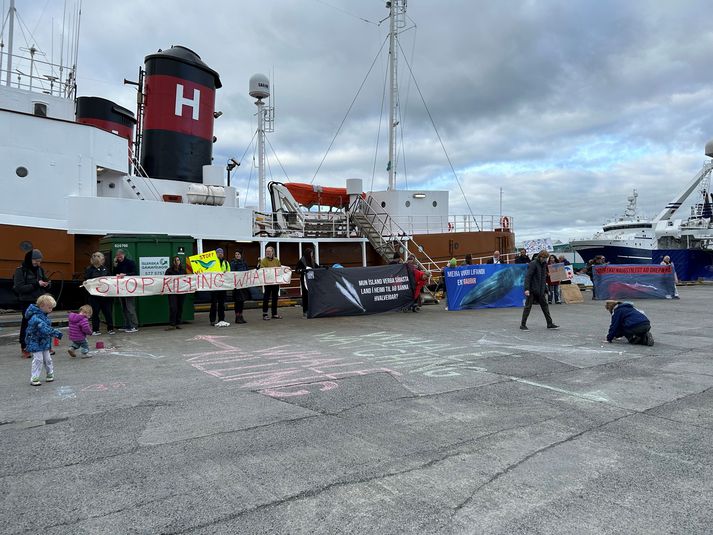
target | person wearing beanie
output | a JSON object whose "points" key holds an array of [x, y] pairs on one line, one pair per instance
{"points": [[29, 283], [630, 322], [217, 297]]}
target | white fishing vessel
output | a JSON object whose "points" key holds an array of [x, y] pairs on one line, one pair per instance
{"points": [[627, 239], [78, 168], [634, 239]]}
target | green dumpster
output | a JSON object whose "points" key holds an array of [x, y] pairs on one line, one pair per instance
{"points": [[152, 254]]}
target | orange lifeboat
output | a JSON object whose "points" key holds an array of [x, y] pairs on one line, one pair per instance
{"points": [[309, 195]]}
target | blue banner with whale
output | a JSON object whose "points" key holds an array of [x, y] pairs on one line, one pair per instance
{"points": [[485, 286]]}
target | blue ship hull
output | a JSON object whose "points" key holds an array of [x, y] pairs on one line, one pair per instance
{"points": [[617, 254]]}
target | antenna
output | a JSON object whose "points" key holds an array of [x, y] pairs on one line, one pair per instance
{"points": [[260, 89]]}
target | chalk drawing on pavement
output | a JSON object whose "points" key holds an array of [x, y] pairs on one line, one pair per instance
{"points": [[279, 371]]}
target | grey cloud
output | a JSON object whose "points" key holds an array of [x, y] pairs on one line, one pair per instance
{"points": [[566, 105]]}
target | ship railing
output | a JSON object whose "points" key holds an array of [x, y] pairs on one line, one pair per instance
{"points": [[31, 73], [438, 265], [304, 224], [453, 223], [389, 231]]}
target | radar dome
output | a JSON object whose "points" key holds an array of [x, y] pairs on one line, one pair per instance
{"points": [[709, 149], [259, 86]]}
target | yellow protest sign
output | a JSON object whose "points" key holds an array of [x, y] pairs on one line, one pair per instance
{"points": [[205, 262]]}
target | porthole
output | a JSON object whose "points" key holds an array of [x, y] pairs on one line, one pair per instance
{"points": [[112, 185], [22, 172], [435, 204], [408, 203], [383, 204]]}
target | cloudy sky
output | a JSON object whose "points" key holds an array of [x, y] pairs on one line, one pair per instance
{"points": [[567, 105]]}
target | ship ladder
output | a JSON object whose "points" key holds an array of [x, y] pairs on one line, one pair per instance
{"points": [[140, 171], [387, 238]]}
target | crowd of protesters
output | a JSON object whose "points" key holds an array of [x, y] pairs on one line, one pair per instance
{"points": [[32, 285]]}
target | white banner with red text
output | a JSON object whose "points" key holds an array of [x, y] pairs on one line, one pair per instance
{"points": [[135, 286]]}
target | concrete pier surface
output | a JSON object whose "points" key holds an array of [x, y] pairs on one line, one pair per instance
{"points": [[436, 422]]}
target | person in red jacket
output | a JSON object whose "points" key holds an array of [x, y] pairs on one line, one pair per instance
{"points": [[79, 329], [420, 278]]}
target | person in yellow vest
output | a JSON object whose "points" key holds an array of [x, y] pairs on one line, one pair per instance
{"points": [[271, 290], [217, 297]]}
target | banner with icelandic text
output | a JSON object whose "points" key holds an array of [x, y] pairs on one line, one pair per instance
{"points": [[633, 281], [185, 284], [485, 286], [357, 291]]}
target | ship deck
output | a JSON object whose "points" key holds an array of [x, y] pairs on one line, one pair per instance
{"points": [[440, 421]]}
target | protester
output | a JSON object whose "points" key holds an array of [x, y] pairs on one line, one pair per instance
{"points": [[666, 261], [553, 287], [563, 260], [536, 289], [522, 258], [305, 263], [38, 338], [599, 260], [97, 268], [396, 259], [628, 321], [29, 283], [175, 301], [217, 297], [495, 259], [468, 260], [126, 267], [79, 329], [419, 280], [239, 294], [271, 290]]}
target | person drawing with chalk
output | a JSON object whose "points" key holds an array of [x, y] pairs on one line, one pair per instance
{"points": [[630, 322]]}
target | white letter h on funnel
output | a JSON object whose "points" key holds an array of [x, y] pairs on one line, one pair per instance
{"points": [[182, 101]]}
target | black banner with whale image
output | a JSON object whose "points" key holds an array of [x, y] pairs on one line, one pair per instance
{"points": [[358, 291]]}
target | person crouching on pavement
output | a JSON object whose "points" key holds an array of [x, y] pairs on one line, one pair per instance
{"points": [[536, 289], [79, 329], [628, 321], [38, 337]]}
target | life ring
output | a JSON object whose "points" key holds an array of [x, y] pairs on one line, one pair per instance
{"points": [[504, 222]]}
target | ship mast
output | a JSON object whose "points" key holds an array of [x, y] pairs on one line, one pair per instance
{"points": [[10, 35], [397, 21]]}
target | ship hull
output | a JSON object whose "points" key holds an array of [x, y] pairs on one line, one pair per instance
{"points": [[614, 252], [67, 255]]}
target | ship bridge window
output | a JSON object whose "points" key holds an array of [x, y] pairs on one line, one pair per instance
{"points": [[40, 109], [21, 172]]}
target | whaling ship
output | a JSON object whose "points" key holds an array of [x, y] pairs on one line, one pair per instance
{"points": [[75, 169]]}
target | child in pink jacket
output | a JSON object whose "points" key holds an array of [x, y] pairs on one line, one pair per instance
{"points": [[79, 329]]}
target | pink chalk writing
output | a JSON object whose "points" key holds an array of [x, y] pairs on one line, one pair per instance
{"points": [[278, 371]]}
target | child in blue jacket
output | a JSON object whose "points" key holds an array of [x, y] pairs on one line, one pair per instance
{"points": [[39, 337], [628, 321]]}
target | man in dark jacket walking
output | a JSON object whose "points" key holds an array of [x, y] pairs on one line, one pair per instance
{"points": [[536, 289], [29, 283]]}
